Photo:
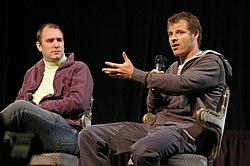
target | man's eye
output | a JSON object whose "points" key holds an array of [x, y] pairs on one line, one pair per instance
{"points": [[179, 33], [50, 40]]}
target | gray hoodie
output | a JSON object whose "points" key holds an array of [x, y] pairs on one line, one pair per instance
{"points": [[175, 98]]}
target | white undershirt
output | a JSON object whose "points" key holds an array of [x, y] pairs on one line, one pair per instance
{"points": [[46, 86], [185, 61]]}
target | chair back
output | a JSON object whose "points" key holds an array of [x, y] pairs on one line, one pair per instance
{"points": [[215, 121]]}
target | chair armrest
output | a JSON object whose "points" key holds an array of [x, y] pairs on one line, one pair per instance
{"points": [[214, 120], [215, 123], [208, 118], [149, 118], [87, 117]]}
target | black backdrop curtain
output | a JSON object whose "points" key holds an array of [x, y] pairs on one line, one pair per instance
{"points": [[99, 30]]}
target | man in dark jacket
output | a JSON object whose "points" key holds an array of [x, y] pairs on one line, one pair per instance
{"points": [[55, 93], [196, 80]]}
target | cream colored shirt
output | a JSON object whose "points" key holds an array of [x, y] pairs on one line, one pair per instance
{"points": [[46, 86]]}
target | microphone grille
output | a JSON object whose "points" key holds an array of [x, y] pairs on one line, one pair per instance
{"points": [[159, 59]]}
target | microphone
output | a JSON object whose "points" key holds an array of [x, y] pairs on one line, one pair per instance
{"points": [[159, 62], [160, 66]]}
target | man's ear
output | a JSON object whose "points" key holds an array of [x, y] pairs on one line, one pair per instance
{"points": [[38, 45], [196, 34]]}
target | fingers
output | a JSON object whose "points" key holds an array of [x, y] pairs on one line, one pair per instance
{"points": [[111, 64], [116, 65], [109, 70], [112, 72], [124, 55], [154, 71], [118, 70]]}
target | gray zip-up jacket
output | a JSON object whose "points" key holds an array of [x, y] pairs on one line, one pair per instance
{"points": [[175, 98]]}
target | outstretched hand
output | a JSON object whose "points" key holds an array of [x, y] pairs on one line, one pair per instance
{"points": [[117, 70]]}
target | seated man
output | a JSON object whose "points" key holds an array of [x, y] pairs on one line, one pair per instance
{"points": [[196, 80], [55, 93]]}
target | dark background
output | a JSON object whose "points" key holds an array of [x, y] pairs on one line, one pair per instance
{"points": [[99, 30]]}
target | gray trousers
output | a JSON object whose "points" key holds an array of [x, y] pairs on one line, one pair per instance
{"points": [[147, 144]]}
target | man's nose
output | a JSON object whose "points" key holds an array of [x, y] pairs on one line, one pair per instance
{"points": [[173, 37], [56, 44]]}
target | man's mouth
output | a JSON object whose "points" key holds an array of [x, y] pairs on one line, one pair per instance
{"points": [[56, 52], [175, 46]]}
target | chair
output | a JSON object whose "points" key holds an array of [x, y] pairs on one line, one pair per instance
{"points": [[59, 158], [87, 118], [211, 120]]}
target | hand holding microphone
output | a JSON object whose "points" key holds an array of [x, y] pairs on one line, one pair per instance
{"points": [[159, 62], [159, 65]]}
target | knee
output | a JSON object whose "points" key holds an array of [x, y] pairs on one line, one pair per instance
{"points": [[21, 103], [16, 106], [84, 134], [143, 155]]}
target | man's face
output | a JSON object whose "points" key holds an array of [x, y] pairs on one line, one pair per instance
{"points": [[51, 45], [181, 40]]}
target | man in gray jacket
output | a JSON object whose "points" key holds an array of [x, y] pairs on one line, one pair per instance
{"points": [[196, 80]]}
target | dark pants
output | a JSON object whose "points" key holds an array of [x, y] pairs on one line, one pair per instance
{"points": [[148, 144]]}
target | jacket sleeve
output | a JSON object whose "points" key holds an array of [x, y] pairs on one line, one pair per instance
{"points": [[21, 93], [30, 83], [204, 73], [154, 101]]}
